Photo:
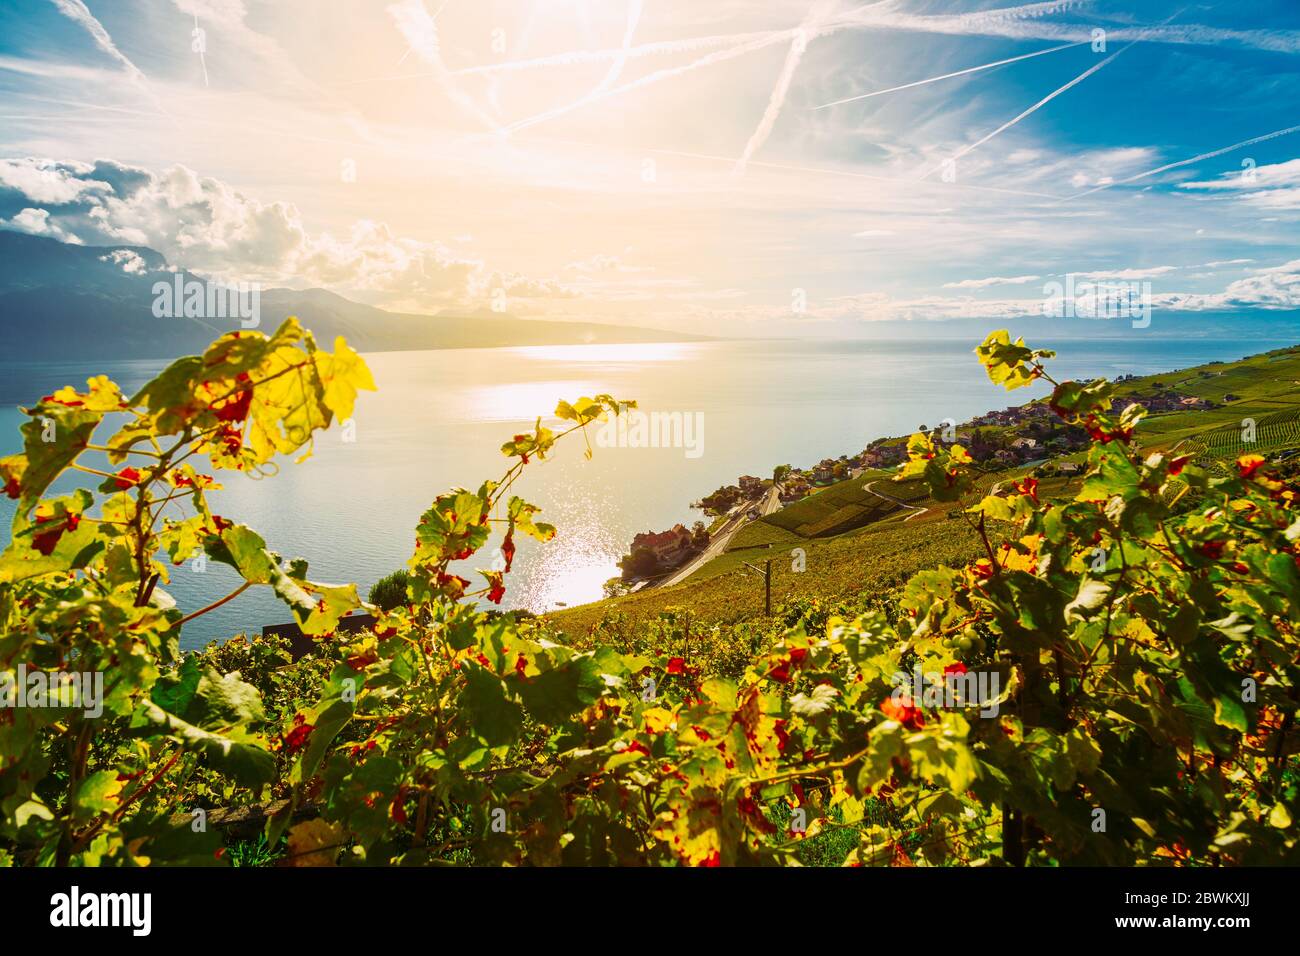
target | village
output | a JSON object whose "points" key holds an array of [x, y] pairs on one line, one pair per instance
{"points": [[1017, 436]]}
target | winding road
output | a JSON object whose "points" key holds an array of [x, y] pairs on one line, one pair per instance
{"points": [[916, 511]]}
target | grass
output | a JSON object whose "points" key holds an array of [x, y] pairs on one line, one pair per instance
{"points": [[876, 558]]}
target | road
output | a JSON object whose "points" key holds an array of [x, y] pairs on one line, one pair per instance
{"points": [[718, 543], [916, 511]]}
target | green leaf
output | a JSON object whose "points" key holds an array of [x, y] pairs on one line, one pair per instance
{"points": [[487, 710], [97, 794], [247, 763], [1093, 594]]}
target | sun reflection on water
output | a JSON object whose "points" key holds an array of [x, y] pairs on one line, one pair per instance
{"points": [[633, 352]]}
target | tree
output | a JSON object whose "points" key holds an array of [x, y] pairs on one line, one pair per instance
{"points": [[641, 563], [390, 591]]}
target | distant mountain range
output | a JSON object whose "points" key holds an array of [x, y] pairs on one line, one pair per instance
{"points": [[62, 301], [67, 302]]}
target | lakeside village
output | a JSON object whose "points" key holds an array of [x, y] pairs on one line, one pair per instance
{"points": [[1017, 436]]}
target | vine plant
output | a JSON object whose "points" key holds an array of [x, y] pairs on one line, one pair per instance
{"points": [[1142, 636]]}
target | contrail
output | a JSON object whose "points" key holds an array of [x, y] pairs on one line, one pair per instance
{"points": [[408, 48], [662, 47], [948, 76], [421, 34], [79, 13], [616, 68], [825, 171], [798, 46], [707, 60], [633, 18], [572, 57], [612, 74], [1185, 162], [759, 41], [1033, 109], [1011, 22]]}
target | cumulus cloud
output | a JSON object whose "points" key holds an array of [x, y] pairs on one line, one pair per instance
{"points": [[1273, 290], [203, 224], [132, 263], [36, 222]]}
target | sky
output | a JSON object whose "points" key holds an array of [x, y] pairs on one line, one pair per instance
{"points": [[727, 167]]}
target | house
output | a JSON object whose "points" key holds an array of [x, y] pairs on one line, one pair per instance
{"points": [[883, 456], [795, 488], [669, 547]]}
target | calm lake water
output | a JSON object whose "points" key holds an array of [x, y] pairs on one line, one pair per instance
{"points": [[439, 418]]}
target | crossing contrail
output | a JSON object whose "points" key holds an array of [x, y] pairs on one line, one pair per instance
{"points": [[421, 35], [658, 47], [717, 56], [798, 46], [1033, 109]]}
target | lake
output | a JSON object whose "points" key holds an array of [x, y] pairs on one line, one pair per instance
{"points": [[439, 418]]}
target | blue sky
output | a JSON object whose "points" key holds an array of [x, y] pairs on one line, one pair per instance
{"points": [[710, 165]]}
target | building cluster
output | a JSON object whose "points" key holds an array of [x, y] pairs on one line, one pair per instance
{"points": [[669, 547]]}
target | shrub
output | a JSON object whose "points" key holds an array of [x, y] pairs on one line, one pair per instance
{"points": [[390, 592]]}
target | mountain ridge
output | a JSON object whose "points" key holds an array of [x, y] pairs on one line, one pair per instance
{"points": [[65, 301]]}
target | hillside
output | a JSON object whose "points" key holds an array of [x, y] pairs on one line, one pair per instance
{"points": [[856, 541]]}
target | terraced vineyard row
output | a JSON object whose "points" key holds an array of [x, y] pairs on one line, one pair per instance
{"points": [[1278, 430], [843, 507]]}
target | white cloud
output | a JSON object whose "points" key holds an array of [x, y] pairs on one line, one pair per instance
{"points": [[1123, 274], [1284, 268], [36, 222], [203, 224], [991, 281], [132, 263], [1251, 176]]}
